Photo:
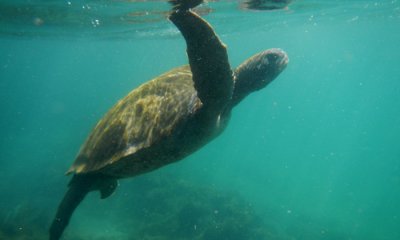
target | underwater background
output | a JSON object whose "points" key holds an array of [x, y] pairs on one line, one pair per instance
{"points": [[315, 155]]}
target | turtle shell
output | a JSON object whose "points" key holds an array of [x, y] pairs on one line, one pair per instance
{"points": [[149, 114]]}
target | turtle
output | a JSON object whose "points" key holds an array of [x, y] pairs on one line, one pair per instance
{"points": [[169, 117]]}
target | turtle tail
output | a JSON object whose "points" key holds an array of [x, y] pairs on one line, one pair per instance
{"points": [[79, 186]]}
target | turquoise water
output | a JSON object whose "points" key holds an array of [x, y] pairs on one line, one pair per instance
{"points": [[315, 155]]}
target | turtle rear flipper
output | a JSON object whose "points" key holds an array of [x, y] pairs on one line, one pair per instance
{"points": [[78, 188], [208, 58]]}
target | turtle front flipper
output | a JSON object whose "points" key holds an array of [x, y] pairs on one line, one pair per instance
{"points": [[208, 58]]}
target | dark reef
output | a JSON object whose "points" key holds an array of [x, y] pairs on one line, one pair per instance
{"points": [[172, 209], [159, 207]]}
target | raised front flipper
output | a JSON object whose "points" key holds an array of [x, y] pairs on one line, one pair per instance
{"points": [[208, 58]]}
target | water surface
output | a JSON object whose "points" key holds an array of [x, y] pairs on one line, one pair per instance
{"points": [[315, 155]]}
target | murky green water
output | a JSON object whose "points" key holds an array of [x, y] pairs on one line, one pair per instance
{"points": [[315, 155]]}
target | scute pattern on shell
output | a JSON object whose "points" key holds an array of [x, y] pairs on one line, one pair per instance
{"points": [[147, 114]]}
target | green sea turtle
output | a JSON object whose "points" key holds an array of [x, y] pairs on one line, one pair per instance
{"points": [[169, 117]]}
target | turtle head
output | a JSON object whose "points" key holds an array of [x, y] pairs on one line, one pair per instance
{"points": [[257, 72]]}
